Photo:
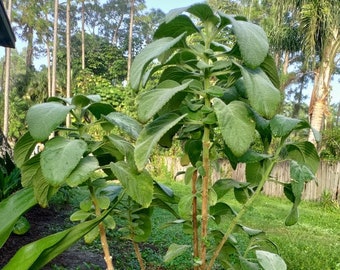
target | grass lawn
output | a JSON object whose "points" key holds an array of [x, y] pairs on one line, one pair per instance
{"points": [[311, 244]]}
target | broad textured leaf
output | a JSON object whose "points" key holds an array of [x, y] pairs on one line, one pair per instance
{"points": [[23, 149], [304, 153], [125, 123], [262, 94], [248, 265], [254, 172], [293, 215], [150, 102], [151, 134], [144, 226], [252, 41], [86, 167], [99, 109], [150, 52], [37, 254], [138, 185], [43, 118], [60, 157], [123, 146], [300, 173], [174, 251], [251, 157], [222, 186], [269, 67], [12, 208], [31, 171], [179, 25], [237, 127], [81, 101], [282, 126], [270, 261]]}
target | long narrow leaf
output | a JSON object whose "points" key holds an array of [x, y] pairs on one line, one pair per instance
{"points": [[37, 254], [12, 208]]}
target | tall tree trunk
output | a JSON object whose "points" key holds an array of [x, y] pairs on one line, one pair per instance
{"points": [[318, 108], [29, 50], [115, 35], [55, 46], [83, 34], [48, 52], [68, 56], [132, 7], [7, 78]]}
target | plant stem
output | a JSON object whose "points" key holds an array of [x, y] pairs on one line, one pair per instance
{"points": [[205, 195], [194, 216], [236, 219], [138, 255], [102, 232]]}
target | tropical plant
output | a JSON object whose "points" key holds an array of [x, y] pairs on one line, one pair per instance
{"points": [[214, 98], [74, 158]]}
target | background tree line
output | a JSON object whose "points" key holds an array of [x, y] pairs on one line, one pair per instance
{"points": [[89, 46]]}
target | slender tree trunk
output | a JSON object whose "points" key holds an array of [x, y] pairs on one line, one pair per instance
{"points": [[285, 63], [48, 52], [55, 46], [83, 34], [7, 78], [68, 56], [115, 35], [132, 4], [29, 50]]}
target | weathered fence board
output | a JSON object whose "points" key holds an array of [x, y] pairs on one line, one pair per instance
{"points": [[327, 177]]}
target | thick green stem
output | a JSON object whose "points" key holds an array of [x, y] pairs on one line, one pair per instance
{"points": [[245, 207], [102, 232]]}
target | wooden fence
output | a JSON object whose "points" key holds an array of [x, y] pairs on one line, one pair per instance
{"points": [[327, 177]]}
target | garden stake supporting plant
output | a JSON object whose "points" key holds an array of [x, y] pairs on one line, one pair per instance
{"points": [[218, 94]]}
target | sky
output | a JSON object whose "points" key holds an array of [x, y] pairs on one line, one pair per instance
{"points": [[167, 5]]}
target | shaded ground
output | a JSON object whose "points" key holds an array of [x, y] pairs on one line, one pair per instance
{"points": [[44, 222], [80, 256]]}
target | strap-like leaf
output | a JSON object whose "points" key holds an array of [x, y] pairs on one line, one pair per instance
{"points": [[12, 208]]}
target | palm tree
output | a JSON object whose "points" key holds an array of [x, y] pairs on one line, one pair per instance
{"points": [[319, 23]]}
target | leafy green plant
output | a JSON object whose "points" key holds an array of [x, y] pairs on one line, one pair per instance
{"points": [[218, 88], [74, 158]]}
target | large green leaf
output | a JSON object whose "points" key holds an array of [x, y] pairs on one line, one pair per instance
{"points": [[85, 168], [174, 251], [150, 52], [237, 127], [282, 126], [262, 94], [30, 171], [179, 25], [269, 67], [37, 254], [43, 118], [304, 153], [23, 149], [270, 261], [150, 102], [125, 123], [138, 185], [252, 41], [12, 208], [151, 134], [98, 109], [59, 159]]}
